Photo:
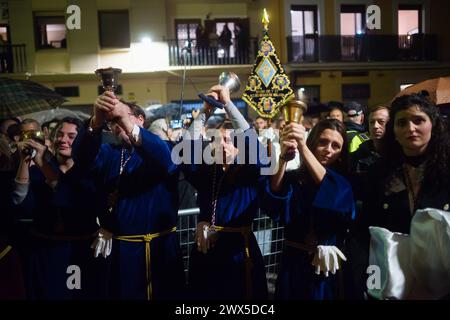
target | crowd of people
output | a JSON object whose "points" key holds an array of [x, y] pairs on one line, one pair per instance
{"points": [[103, 197]]}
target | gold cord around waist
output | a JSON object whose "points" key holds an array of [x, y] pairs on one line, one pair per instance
{"points": [[5, 252], [245, 232], [147, 238]]}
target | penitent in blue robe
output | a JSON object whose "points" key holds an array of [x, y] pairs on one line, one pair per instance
{"points": [[60, 237], [315, 215], [11, 274], [147, 204], [221, 273]]}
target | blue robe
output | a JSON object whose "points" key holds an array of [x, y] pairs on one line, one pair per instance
{"points": [[11, 274], [221, 273], [315, 215], [57, 214], [147, 204]]}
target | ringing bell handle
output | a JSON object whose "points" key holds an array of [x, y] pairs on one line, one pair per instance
{"points": [[211, 101]]}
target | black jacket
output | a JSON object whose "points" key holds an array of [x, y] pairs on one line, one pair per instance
{"points": [[386, 202]]}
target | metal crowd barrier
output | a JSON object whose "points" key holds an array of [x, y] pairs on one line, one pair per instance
{"points": [[269, 234]]}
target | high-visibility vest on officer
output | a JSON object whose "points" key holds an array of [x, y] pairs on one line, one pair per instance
{"points": [[354, 121]]}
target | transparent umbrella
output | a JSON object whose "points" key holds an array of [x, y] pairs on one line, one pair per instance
{"points": [[58, 114]]}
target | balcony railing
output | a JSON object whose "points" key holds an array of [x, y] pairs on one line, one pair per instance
{"points": [[332, 48], [13, 58], [196, 55]]}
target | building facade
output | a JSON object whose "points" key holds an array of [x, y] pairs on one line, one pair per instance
{"points": [[332, 49]]}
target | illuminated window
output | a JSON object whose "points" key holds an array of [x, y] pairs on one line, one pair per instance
{"points": [[187, 31], [409, 19], [352, 19], [50, 32], [4, 33], [303, 20]]}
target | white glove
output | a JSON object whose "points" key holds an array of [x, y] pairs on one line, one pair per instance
{"points": [[326, 259], [102, 244]]}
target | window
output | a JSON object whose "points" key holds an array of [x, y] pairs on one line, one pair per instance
{"points": [[409, 19], [50, 31], [4, 33], [304, 32], [225, 40], [186, 30], [4, 11], [409, 26], [114, 29], [352, 28], [352, 19], [68, 91], [305, 74], [226, 50], [304, 20]]}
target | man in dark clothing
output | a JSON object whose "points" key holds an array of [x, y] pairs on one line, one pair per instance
{"points": [[361, 160], [369, 151]]}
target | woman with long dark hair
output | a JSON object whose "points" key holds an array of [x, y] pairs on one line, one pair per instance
{"points": [[408, 200], [315, 203], [415, 170], [61, 200]]}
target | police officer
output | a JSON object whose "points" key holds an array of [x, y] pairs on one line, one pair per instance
{"points": [[354, 121]]}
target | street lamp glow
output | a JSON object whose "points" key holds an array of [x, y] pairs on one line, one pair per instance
{"points": [[146, 40], [301, 93]]}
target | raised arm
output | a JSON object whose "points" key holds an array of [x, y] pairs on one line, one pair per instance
{"points": [[88, 141], [129, 129], [277, 179], [222, 94], [22, 179], [294, 131]]}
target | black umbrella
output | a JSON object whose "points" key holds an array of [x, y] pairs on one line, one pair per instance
{"points": [[19, 97]]}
